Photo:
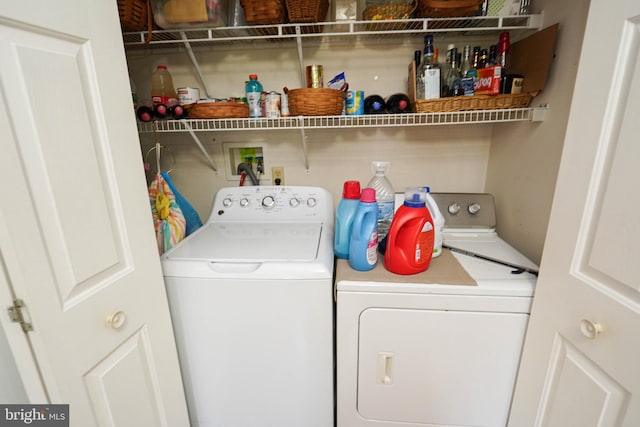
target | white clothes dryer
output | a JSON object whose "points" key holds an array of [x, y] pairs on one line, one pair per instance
{"points": [[439, 348], [251, 301]]}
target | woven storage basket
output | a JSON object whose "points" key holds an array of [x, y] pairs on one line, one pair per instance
{"points": [[316, 102], [302, 11], [264, 12], [136, 15], [476, 102], [218, 110], [447, 8]]}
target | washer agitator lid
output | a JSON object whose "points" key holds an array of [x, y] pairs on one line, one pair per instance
{"points": [[246, 242]]}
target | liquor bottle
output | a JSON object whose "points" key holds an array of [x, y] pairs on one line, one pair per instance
{"points": [[374, 104], [504, 47], [448, 71], [429, 74], [484, 59], [398, 103], [466, 65], [493, 55]]}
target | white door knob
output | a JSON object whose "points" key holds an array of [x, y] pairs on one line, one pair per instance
{"points": [[117, 319], [590, 329]]}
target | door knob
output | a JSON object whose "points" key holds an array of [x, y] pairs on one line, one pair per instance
{"points": [[117, 319], [590, 329]]}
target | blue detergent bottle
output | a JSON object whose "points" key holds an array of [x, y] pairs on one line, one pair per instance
{"points": [[345, 213], [363, 245]]}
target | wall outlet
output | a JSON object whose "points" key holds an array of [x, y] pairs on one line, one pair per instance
{"points": [[277, 175]]}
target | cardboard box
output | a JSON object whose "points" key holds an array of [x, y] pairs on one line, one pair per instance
{"points": [[488, 81]]}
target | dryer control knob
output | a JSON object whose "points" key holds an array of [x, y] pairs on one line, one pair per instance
{"points": [[227, 202], [454, 208], [294, 202], [268, 202], [473, 208], [311, 202], [244, 202]]}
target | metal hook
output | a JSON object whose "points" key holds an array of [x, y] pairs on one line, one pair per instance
{"points": [[159, 147]]}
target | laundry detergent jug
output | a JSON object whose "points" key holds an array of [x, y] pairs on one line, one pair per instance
{"points": [[363, 245], [411, 235]]}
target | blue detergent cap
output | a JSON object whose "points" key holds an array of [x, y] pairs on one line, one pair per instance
{"points": [[415, 197]]}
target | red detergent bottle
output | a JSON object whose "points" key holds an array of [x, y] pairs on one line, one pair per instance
{"points": [[411, 236]]}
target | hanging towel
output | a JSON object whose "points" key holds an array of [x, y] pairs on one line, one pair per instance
{"points": [[168, 220], [190, 214]]}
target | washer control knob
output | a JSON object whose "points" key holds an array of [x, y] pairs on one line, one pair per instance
{"points": [[294, 202], [473, 208], [268, 202], [454, 208], [311, 202], [244, 202], [227, 202]]}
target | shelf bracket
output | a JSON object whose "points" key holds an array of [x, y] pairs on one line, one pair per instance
{"points": [[195, 63], [303, 136], [200, 146], [303, 76]]}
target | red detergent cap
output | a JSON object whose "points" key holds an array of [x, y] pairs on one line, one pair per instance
{"points": [[351, 190], [402, 104], [368, 195]]}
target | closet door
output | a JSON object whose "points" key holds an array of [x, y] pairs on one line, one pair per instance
{"points": [[76, 236]]}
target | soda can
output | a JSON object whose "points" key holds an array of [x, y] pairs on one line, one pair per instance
{"points": [[315, 77], [354, 103], [188, 95], [272, 105]]}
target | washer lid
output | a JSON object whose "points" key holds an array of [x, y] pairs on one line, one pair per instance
{"points": [[251, 242]]}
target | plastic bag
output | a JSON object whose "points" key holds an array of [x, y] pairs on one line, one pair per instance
{"points": [[190, 215]]}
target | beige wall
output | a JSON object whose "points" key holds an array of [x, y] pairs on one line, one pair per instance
{"points": [[523, 162], [500, 158]]}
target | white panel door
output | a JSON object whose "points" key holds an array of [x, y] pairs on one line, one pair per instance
{"points": [[581, 365], [76, 237]]}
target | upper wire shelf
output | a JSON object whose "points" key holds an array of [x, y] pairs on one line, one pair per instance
{"points": [[342, 122], [461, 27]]}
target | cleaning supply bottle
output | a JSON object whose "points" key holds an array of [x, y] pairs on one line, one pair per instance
{"points": [[411, 236], [363, 244], [345, 212], [162, 89], [385, 197], [253, 90], [438, 223]]}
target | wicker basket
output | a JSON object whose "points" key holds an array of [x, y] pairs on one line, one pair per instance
{"points": [[447, 8], [303, 11], [217, 110], [264, 12], [476, 102], [316, 102], [136, 15]]}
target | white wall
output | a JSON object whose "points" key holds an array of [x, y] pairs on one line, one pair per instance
{"points": [[524, 161]]}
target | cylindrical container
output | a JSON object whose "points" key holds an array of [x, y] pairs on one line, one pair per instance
{"points": [[354, 103], [315, 77], [411, 236], [284, 105], [272, 105], [345, 213], [438, 223], [363, 244], [162, 89], [374, 104], [188, 95], [253, 89], [385, 196]]}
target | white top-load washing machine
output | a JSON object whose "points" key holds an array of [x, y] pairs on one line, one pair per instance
{"points": [[439, 348], [251, 300]]}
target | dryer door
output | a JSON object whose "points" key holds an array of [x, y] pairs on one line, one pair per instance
{"points": [[433, 367]]}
